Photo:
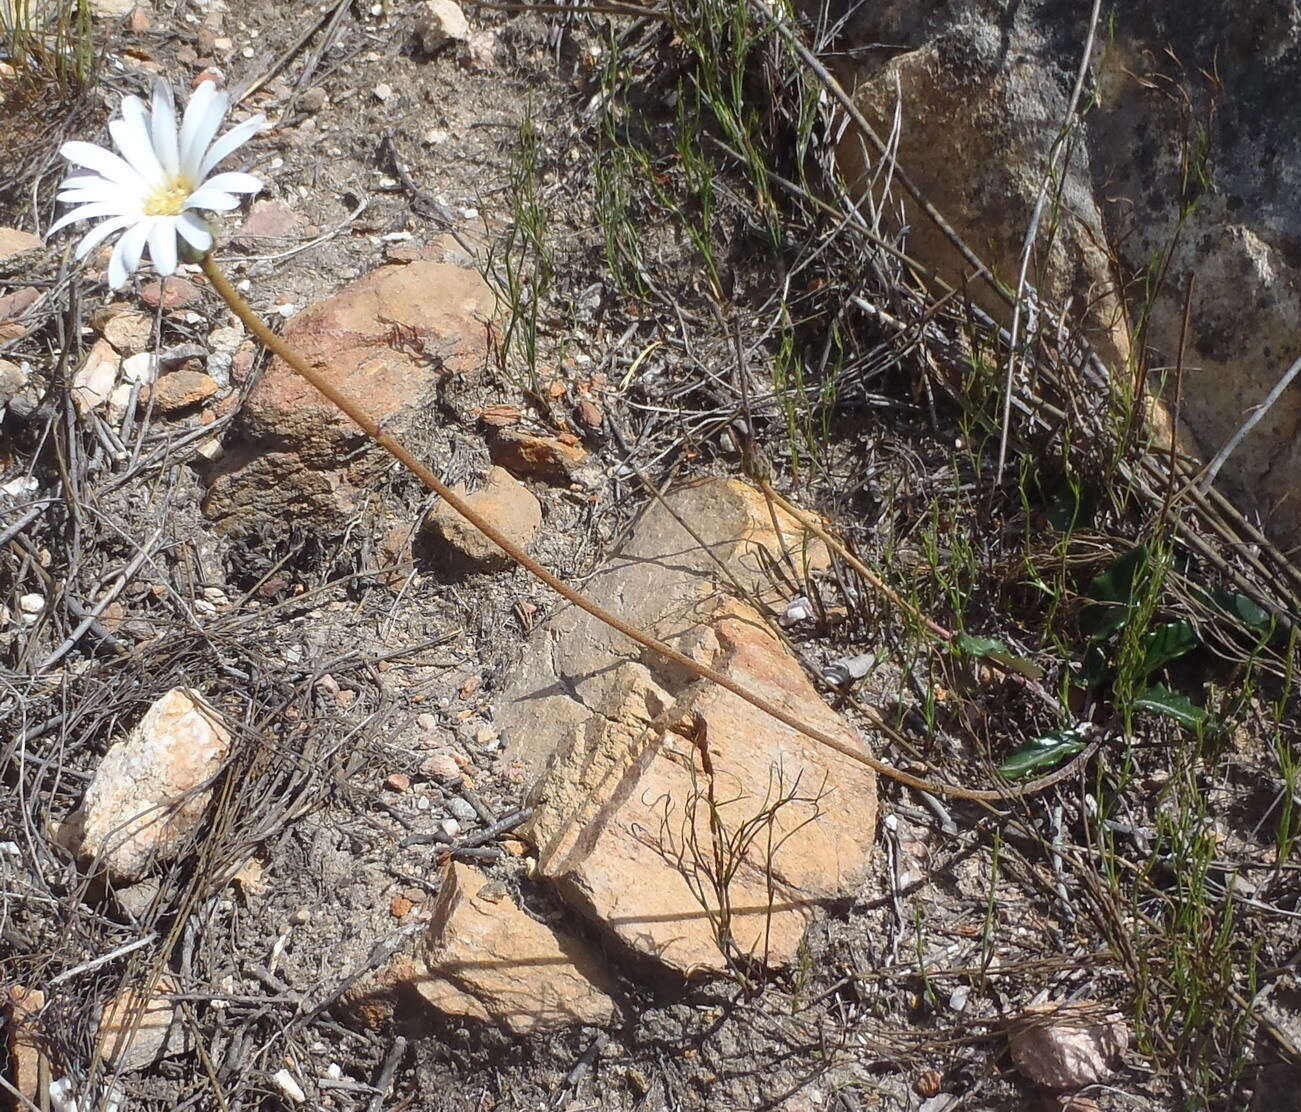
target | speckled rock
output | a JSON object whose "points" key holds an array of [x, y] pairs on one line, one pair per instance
{"points": [[148, 794], [1166, 164]]}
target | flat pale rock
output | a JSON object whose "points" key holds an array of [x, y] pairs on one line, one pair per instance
{"points": [[138, 1028], [93, 383], [1067, 1045], [622, 822], [439, 22], [130, 333], [505, 502], [488, 960], [146, 796]]}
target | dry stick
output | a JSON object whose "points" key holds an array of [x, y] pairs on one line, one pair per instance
{"points": [[1032, 232], [399, 452]]}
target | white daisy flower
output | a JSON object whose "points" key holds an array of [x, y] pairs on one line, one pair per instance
{"points": [[153, 191]]}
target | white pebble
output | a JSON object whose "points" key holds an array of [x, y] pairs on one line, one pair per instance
{"points": [[286, 1083], [451, 827], [141, 369]]}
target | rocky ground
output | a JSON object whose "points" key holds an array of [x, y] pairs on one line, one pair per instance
{"points": [[315, 799]]}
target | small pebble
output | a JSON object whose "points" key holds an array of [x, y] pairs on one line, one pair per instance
{"points": [[451, 827], [441, 766], [399, 906], [398, 782], [301, 916], [461, 809]]}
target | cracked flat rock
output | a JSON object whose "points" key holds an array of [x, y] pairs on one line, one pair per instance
{"points": [[623, 825]]}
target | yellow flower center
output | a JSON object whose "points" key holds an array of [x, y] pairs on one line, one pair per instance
{"points": [[168, 198]]}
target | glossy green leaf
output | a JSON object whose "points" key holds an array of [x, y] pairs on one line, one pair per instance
{"points": [[1095, 669], [1166, 643], [1072, 507], [1117, 585], [1246, 610], [1113, 595], [1170, 704], [1043, 754]]}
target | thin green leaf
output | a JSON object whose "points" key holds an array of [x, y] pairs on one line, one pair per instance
{"points": [[1166, 643], [990, 648], [1170, 704], [1042, 754]]}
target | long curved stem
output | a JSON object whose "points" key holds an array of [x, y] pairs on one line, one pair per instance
{"points": [[403, 455]]}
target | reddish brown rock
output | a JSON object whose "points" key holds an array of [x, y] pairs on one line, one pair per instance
{"points": [[539, 457], [21, 1006], [590, 413], [270, 220], [181, 390], [17, 303], [148, 794], [486, 959], [622, 819], [172, 293], [387, 340], [506, 504], [267, 493], [361, 339], [13, 241]]}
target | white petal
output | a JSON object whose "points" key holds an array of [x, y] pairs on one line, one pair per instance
{"points": [[212, 199], [235, 137], [162, 245], [126, 255], [80, 181], [203, 116], [101, 190], [162, 128], [131, 134], [233, 181], [194, 231], [86, 212], [99, 233], [106, 162]]}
